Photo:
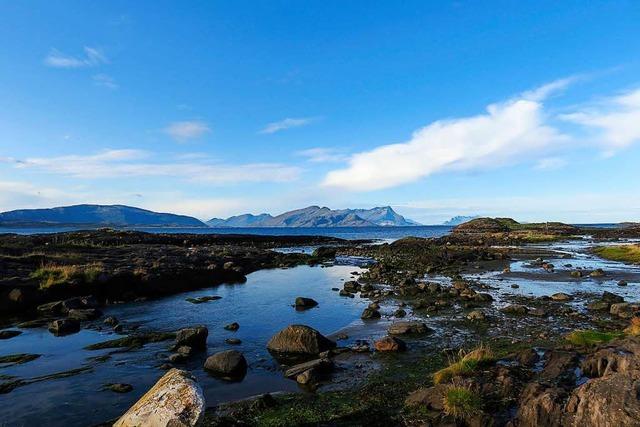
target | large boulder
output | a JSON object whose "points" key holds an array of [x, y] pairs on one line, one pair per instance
{"points": [[228, 364], [176, 400], [195, 337], [299, 339], [64, 326]]}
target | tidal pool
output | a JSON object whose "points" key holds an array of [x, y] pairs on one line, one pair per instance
{"points": [[262, 306]]}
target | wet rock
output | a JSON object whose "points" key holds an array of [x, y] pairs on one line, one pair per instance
{"points": [[429, 398], [232, 326], [37, 323], [476, 315], [370, 313], [389, 343], [84, 313], [538, 312], [528, 357], [515, 309], [597, 273], [308, 377], [409, 328], [233, 341], [203, 299], [54, 307], [228, 364], [175, 400], [195, 337], [110, 321], [622, 283], [119, 387], [561, 296], [304, 303], [399, 313], [360, 346], [344, 293], [351, 286], [560, 366], [318, 365], [6, 334], [611, 297], [71, 304], [482, 297], [599, 306], [17, 359], [576, 274], [64, 326], [299, 339]]}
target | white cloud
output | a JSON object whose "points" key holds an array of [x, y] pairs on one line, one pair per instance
{"points": [[614, 122], [183, 131], [508, 132], [322, 155], [287, 123], [137, 163], [105, 80], [23, 195], [92, 57]]}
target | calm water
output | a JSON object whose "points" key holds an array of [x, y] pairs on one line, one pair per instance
{"points": [[381, 233], [262, 306]]}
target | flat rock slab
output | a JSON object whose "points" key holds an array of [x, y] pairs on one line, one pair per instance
{"points": [[176, 400]]}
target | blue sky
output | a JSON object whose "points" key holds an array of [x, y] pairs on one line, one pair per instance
{"points": [[218, 108]]}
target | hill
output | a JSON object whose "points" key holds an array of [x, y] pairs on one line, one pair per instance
{"points": [[95, 215]]}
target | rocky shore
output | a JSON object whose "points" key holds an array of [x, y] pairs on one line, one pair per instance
{"points": [[495, 324]]}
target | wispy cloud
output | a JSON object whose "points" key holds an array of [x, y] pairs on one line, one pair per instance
{"points": [[128, 163], [287, 123], [612, 122], [323, 155], [186, 130], [507, 132], [105, 80], [92, 57], [551, 163]]}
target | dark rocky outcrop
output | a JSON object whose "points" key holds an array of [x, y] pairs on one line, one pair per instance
{"points": [[229, 364], [299, 340]]}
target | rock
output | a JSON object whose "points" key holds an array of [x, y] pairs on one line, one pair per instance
{"points": [[344, 293], [232, 326], [54, 307], [599, 306], [177, 358], [576, 274], [370, 313], [538, 312], [476, 315], [176, 400], [299, 339], [515, 309], [318, 365], [559, 366], [110, 321], [228, 364], [119, 387], [608, 401], [390, 344], [351, 286], [611, 297], [233, 341], [84, 313], [597, 273], [374, 306], [622, 283], [64, 326], [406, 328], [185, 350], [307, 377], [528, 357], [203, 299], [399, 313], [303, 303], [6, 334], [540, 405], [195, 337], [561, 296], [618, 356], [482, 297], [624, 310], [429, 398], [71, 303], [360, 346]]}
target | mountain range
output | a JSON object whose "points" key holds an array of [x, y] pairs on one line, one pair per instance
{"points": [[96, 215], [460, 219], [316, 216], [120, 216]]}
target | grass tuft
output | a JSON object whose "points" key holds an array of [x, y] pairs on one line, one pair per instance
{"points": [[465, 365], [461, 402], [589, 338], [56, 275], [622, 253]]}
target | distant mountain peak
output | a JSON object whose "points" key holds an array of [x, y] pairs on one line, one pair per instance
{"points": [[316, 216]]}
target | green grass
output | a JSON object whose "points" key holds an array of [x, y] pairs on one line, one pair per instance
{"points": [[589, 338], [461, 402], [56, 275], [622, 253], [466, 365]]}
